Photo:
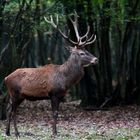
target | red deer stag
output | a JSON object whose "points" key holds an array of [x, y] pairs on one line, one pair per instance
{"points": [[51, 81]]}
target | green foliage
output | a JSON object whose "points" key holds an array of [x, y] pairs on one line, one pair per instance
{"points": [[98, 2], [1, 138], [12, 7]]}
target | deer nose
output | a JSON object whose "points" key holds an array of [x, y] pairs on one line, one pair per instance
{"points": [[94, 61]]}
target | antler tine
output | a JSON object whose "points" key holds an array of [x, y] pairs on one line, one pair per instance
{"points": [[67, 37], [90, 42], [75, 24], [82, 43], [91, 37], [51, 21], [88, 29]]}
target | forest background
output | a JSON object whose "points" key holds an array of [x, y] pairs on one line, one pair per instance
{"points": [[26, 40]]}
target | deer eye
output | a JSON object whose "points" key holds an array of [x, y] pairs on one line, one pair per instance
{"points": [[82, 53]]}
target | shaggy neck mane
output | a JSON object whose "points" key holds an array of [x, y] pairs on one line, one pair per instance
{"points": [[72, 65], [72, 70]]}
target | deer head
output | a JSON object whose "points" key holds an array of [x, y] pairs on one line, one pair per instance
{"points": [[78, 50]]}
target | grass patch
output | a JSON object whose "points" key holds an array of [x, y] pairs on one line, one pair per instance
{"points": [[44, 133], [116, 124]]}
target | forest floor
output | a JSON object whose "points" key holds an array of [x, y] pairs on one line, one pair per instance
{"points": [[74, 123]]}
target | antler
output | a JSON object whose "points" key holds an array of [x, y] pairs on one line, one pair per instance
{"points": [[81, 40], [87, 40], [56, 27]]}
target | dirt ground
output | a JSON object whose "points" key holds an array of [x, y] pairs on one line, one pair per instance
{"points": [[74, 123]]}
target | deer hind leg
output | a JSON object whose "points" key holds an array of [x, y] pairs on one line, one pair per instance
{"points": [[15, 105], [15, 102], [9, 117], [55, 107]]}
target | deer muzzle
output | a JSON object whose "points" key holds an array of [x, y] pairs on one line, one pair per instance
{"points": [[94, 61]]}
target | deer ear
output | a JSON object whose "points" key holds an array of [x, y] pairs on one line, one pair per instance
{"points": [[69, 48]]}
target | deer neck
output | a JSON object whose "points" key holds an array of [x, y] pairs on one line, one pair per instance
{"points": [[72, 69]]}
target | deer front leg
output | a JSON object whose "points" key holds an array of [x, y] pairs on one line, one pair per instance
{"points": [[9, 116], [55, 107]]}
